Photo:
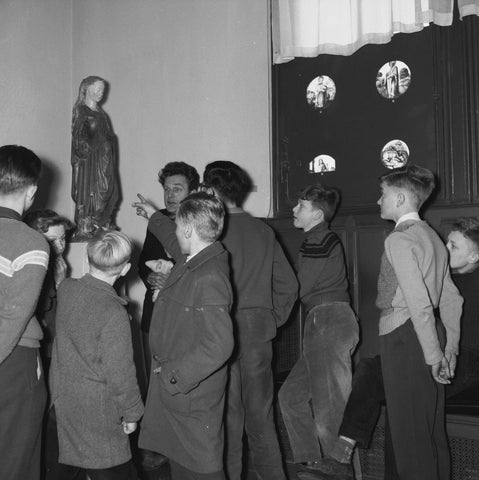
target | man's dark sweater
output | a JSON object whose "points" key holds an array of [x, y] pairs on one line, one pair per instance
{"points": [[468, 285], [152, 250]]}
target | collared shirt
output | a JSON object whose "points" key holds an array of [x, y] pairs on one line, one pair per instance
{"points": [[408, 216]]}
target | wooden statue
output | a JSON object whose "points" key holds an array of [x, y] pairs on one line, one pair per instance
{"points": [[95, 188]]}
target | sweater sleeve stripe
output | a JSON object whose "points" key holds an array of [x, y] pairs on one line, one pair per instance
{"points": [[34, 257], [322, 249]]}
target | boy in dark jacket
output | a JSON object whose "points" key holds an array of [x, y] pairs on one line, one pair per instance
{"points": [[265, 289], [191, 340], [92, 377]]}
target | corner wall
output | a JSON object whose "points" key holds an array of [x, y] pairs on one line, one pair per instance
{"points": [[189, 81], [35, 90]]}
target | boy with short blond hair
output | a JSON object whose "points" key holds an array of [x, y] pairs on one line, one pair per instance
{"points": [[414, 280], [191, 339], [322, 375], [93, 378]]}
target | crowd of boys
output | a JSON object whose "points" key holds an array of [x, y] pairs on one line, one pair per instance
{"points": [[208, 328]]}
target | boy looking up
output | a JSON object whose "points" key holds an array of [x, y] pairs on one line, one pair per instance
{"points": [[364, 404], [191, 339], [413, 281], [23, 265], [463, 246], [92, 377], [322, 375]]}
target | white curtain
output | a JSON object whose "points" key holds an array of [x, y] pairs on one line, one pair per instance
{"points": [[307, 28]]}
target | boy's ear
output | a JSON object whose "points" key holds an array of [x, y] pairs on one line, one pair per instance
{"points": [[474, 257], [125, 269], [188, 230], [30, 192], [319, 215], [401, 199]]}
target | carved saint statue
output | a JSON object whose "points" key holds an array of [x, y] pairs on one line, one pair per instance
{"points": [[94, 161]]}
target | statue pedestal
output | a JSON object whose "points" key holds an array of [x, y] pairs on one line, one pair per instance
{"points": [[77, 260]]}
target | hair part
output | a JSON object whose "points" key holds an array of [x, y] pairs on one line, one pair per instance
{"points": [[322, 198], [205, 213], [180, 168], [42, 220], [230, 181], [109, 251], [469, 227], [416, 180], [19, 168]]}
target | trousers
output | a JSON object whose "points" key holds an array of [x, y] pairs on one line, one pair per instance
{"points": [[22, 403], [313, 396], [249, 406], [415, 406]]}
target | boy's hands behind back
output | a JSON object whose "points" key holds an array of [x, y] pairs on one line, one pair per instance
{"points": [[129, 427], [441, 371]]}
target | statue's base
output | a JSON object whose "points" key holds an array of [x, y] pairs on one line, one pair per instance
{"points": [[77, 259]]}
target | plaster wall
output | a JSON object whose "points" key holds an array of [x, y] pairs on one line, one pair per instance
{"points": [[189, 81], [35, 90]]}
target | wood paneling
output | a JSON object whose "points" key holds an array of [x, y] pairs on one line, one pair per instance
{"points": [[438, 117]]}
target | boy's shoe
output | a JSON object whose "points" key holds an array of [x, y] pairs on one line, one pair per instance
{"points": [[152, 460], [320, 476], [327, 468]]}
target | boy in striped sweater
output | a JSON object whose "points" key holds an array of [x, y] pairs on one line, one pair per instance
{"points": [[322, 374], [23, 265]]}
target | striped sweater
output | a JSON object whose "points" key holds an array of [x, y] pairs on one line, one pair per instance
{"points": [[23, 265], [321, 268]]}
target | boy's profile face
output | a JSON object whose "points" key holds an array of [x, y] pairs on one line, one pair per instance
{"points": [[463, 253], [183, 235], [175, 189], [388, 202], [306, 216]]}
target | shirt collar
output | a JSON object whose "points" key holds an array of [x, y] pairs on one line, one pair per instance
{"points": [[317, 228], [9, 213], [105, 287], [408, 216]]}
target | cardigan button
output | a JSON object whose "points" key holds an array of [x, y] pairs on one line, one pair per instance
{"points": [[173, 380]]}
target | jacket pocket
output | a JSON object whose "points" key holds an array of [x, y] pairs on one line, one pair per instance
{"points": [[180, 402]]}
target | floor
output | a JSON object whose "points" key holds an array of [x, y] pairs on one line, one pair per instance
{"points": [[163, 474]]}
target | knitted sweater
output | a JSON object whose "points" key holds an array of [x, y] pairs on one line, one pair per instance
{"points": [[321, 268], [23, 265], [413, 281], [468, 285]]}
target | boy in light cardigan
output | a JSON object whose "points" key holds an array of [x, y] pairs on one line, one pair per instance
{"points": [[414, 280]]}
